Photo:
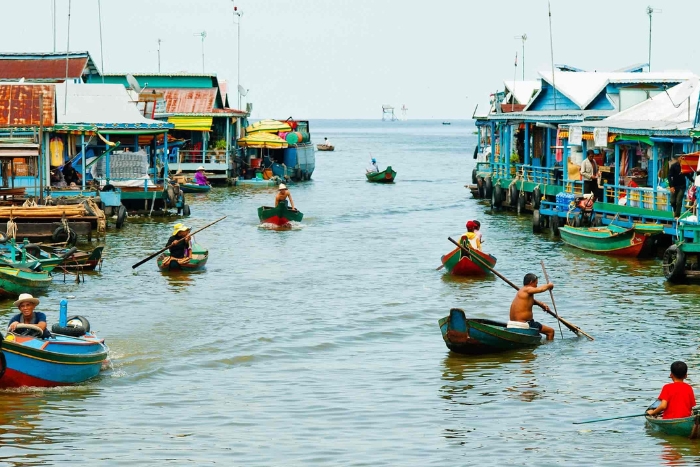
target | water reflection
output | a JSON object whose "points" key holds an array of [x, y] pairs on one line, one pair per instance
{"points": [[179, 281]]}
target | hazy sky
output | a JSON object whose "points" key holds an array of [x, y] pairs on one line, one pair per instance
{"points": [[345, 58]]}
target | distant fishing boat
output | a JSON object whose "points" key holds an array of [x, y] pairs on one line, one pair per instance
{"points": [[446, 123], [194, 188], [385, 176], [325, 147]]}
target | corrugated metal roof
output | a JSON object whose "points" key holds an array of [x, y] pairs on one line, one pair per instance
{"points": [[192, 75], [19, 105], [52, 69], [190, 100]]}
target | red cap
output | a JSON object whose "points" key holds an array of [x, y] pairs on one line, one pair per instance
{"points": [[471, 225]]}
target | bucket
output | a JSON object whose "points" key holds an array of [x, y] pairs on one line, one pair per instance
{"points": [[292, 137], [255, 162], [267, 174]]}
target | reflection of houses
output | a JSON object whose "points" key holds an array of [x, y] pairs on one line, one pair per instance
{"points": [[205, 127]]}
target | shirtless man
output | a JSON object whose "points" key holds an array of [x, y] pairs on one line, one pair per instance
{"points": [[282, 194], [521, 308]]}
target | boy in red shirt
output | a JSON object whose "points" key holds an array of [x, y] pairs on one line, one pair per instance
{"points": [[677, 398]]}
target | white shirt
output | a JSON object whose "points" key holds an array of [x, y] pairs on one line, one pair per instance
{"points": [[373, 167], [327, 142]]}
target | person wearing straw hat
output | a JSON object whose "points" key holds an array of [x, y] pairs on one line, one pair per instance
{"points": [[26, 304], [179, 242], [283, 194], [200, 178]]}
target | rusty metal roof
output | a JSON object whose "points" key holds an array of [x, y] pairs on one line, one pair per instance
{"points": [[46, 67], [189, 100], [19, 105]]}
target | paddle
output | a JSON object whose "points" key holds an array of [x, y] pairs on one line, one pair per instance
{"points": [[175, 242], [611, 418], [573, 328], [551, 295]]}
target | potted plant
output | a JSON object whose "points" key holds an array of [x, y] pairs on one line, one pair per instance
{"points": [[219, 149], [514, 159]]}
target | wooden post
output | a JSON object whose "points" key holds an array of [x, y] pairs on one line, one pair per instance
{"points": [[42, 156], [527, 143], [617, 172]]}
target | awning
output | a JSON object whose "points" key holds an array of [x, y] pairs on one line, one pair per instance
{"points": [[262, 140], [268, 126], [191, 123]]}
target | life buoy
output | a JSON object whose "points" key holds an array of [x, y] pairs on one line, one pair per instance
{"points": [[121, 216], [73, 331], [60, 235], [674, 264]]}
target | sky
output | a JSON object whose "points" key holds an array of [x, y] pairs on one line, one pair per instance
{"points": [[346, 58]]}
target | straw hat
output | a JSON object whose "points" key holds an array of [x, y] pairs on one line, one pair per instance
{"points": [[25, 297], [282, 187], [180, 228], [200, 168]]}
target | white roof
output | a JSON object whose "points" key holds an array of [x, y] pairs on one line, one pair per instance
{"points": [[674, 109], [583, 87], [522, 90], [97, 103]]}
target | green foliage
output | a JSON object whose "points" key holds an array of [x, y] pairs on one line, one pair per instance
{"points": [[220, 144]]}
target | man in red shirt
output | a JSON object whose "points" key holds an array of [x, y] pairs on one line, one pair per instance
{"points": [[677, 398]]}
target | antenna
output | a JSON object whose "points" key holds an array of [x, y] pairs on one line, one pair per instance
{"points": [[650, 12], [65, 96], [159, 41], [522, 38], [102, 55], [133, 83], [238, 14], [242, 91], [551, 49], [203, 35]]}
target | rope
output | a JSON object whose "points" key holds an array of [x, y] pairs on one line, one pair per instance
{"points": [[101, 218], [48, 200], [11, 228], [572, 206], [29, 203], [64, 223]]}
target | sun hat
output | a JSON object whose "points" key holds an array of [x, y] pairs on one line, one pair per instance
{"points": [[180, 228], [282, 187], [25, 297], [201, 168]]}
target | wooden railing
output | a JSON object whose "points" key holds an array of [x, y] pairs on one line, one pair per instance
{"points": [[200, 157]]}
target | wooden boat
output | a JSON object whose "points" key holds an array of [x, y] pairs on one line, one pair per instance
{"points": [[194, 188], [323, 147], [385, 176], [609, 240], [280, 215], [675, 426], [198, 260], [30, 255], [474, 336], [83, 260], [459, 263], [60, 360], [14, 281]]}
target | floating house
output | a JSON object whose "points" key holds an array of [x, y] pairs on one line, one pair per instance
{"points": [[57, 67]]}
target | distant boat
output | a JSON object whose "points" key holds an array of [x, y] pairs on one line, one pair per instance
{"points": [[385, 176], [325, 147], [446, 123]]}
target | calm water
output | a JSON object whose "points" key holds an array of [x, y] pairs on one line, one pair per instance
{"points": [[320, 345]]}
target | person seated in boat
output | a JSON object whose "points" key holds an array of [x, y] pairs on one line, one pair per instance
{"points": [[477, 231], [283, 194], [521, 309], [70, 175], [677, 398], [200, 178], [26, 304], [471, 236], [373, 167], [179, 242], [326, 142]]}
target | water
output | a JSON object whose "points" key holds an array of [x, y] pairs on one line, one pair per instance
{"points": [[320, 345]]}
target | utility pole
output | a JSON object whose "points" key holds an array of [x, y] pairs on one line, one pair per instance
{"points": [[203, 35], [650, 12], [159, 41], [523, 38], [237, 20]]}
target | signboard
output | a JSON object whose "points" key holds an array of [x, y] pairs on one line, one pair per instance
{"points": [[600, 137], [575, 135]]}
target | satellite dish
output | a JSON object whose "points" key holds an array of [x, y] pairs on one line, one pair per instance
{"points": [[242, 91], [134, 84]]}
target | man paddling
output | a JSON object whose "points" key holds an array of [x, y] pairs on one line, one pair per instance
{"points": [[677, 398], [521, 309], [283, 194]]}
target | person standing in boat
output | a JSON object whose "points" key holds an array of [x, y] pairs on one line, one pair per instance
{"points": [[471, 236], [179, 242], [373, 167], [677, 185], [589, 174], [521, 309], [200, 178], [283, 194], [26, 304], [677, 398]]}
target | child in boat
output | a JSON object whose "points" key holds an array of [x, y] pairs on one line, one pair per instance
{"points": [[677, 398], [477, 231], [473, 239]]}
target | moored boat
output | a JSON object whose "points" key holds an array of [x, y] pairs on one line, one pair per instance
{"points": [[281, 215], [14, 281], [194, 188], [325, 147], [385, 176], [197, 261], [459, 263], [675, 426], [609, 240], [13, 255], [475, 336]]}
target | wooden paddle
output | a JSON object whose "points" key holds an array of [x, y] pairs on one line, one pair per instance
{"points": [[175, 242], [551, 295], [572, 327]]}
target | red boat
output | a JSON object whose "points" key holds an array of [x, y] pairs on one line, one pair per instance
{"points": [[460, 263]]}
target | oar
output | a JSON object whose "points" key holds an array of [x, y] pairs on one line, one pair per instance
{"points": [[551, 295], [611, 418], [572, 327], [176, 241]]}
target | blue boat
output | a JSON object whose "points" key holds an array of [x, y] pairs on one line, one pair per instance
{"points": [[72, 355]]}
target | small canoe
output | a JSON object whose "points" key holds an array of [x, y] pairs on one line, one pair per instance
{"points": [[609, 240], [280, 215], [197, 261], [194, 188], [14, 281], [473, 336], [83, 260], [385, 176], [323, 147], [459, 263]]}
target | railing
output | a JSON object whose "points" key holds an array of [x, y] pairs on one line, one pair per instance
{"points": [[639, 197], [574, 186], [545, 175], [198, 157]]}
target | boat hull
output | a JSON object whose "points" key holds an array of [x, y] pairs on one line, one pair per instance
{"points": [[459, 263], [14, 282], [675, 426], [280, 215], [481, 336], [610, 240], [194, 188], [198, 260], [321, 147], [385, 176]]}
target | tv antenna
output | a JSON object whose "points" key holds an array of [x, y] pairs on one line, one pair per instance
{"points": [[203, 35], [159, 41], [522, 38], [650, 12], [134, 84], [242, 91]]}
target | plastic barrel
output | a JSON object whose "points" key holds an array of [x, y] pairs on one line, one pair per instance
{"points": [[300, 136], [292, 137], [305, 137]]}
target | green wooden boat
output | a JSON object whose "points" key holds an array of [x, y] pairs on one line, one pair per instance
{"points": [[14, 281], [280, 215], [608, 240], [385, 176], [676, 426], [199, 258], [194, 188], [473, 336]]}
